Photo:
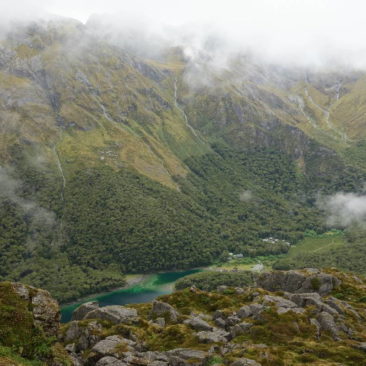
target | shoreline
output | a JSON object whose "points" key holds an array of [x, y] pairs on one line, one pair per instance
{"points": [[131, 280]]}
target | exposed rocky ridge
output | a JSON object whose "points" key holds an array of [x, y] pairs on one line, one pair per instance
{"points": [[226, 327], [233, 326]]}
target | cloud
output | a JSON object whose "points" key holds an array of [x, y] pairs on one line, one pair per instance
{"points": [[9, 188], [245, 196], [306, 32], [344, 209]]}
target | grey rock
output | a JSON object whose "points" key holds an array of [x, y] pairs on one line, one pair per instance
{"points": [[308, 299], [305, 299], [232, 320], [361, 346], [45, 309], [308, 280], [110, 361], [114, 313], [80, 312], [70, 348], [215, 336], [220, 322], [109, 345], [222, 288], [281, 310], [73, 332], [335, 304], [160, 308], [256, 309], [83, 336], [327, 323], [198, 324], [160, 322], [219, 314], [245, 362], [240, 329], [188, 354], [279, 301], [245, 312]]}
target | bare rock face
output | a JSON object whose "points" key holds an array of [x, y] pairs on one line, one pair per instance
{"points": [[304, 281], [45, 308], [245, 362], [114, 313], [83, 309], [110, 361], [198, 324]]}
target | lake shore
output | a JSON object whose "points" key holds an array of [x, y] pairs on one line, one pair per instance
{"points": [[131, 280]]}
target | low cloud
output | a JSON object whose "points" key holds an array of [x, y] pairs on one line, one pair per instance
{"points": [[245, 196], [344, 209], [9, 190]]}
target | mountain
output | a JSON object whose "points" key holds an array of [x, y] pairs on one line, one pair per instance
{"points": [[115, 161], [306, 317]]}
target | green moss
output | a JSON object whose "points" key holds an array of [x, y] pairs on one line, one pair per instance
{"points": [[17, 329]]}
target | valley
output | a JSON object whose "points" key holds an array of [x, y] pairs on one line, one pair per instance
{"points": [[114, 163]]}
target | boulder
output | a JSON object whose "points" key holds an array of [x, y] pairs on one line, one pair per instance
{"points": [[80, 312], [186, 357], [160, 308], [110, 361], [240, 329], [160, 322], [314, 299], [220, 322], [361, 346], [245, 362], [82, 337], [232, 320], [308, 280], [45, 309], [247, 311], [279, 301], [114, 313], [188, 354], [327, 323], [198, 324], [111, 346], [215, 336]]}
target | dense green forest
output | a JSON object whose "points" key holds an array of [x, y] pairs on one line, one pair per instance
{"points": [[109, 222]]}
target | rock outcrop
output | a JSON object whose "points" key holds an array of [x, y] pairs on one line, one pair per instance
{"points": [[307, 280], [238, 328], [44, 307]]}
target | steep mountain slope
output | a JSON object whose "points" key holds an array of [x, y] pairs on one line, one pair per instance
{"points": [[113, 162]]}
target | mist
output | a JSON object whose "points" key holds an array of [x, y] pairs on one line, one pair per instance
{"points": [[9, 190], [344, 209], [306, 33]]}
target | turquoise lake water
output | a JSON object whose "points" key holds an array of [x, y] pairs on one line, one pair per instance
{"points": [[154, 286]]}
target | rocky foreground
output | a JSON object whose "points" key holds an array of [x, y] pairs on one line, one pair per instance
{"points": [[307, 317]]}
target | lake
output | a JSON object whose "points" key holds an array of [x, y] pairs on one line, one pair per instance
{"points": [[154, 286]]}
